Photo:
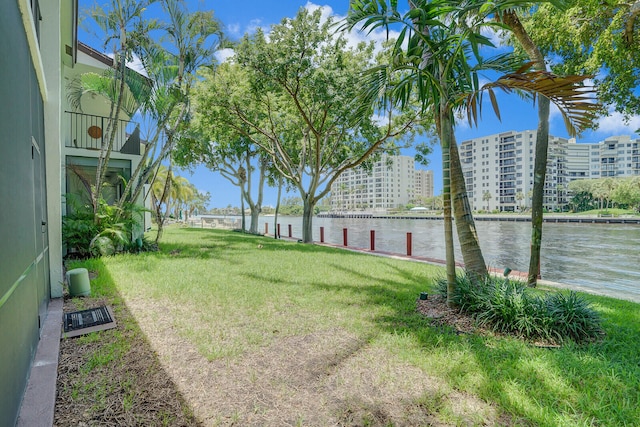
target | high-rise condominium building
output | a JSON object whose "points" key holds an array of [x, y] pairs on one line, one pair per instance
{"points": [[389, 183], [498, 169], [423, 186]]}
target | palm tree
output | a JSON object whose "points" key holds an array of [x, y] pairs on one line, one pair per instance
{"points": [[433, 50], [118, 22], [172, 64], [519, 198], [511, 19]]}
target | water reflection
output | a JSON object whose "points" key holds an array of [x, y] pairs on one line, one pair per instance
{"points": [[601, 257]]}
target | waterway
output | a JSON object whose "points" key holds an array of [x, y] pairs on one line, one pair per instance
{"points": [[602, 258]]}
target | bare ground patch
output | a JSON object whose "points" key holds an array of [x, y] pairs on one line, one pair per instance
{"points": [[113, 378], [327, 378]]}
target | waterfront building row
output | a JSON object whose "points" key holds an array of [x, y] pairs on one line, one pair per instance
{"points": [[498, 168], [390, 182]]}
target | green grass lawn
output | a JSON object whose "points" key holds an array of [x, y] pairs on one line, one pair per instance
{"points": [[232, 294]]}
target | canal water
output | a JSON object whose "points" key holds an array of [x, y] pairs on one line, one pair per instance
{"points": [[603, 258]]}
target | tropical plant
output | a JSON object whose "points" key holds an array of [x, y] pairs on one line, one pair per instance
{"points": [[167, 192], [508, 306], [171, 63], [434, 50], [110, 230], [121, 22]]}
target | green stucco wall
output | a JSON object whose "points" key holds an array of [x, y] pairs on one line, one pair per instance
{"points": [[24, 286]]}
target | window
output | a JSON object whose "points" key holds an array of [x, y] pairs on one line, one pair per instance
{"points": [[86, 166]]}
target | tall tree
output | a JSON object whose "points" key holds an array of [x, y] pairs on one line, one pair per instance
{"points": [[299, 90], [117, 21], [188, 43], [594, 37], [234, 156], [511, 19]]}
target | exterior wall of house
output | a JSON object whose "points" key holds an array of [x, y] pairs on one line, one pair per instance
{"points": [[79, 144], [25, 283]]}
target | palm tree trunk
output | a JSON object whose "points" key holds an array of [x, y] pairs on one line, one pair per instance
{"points": [[445, 126], [511, 19], [160, 218], [467, 235]]}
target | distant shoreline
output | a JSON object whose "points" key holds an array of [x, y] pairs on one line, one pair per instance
{"points": [[495, 217]]}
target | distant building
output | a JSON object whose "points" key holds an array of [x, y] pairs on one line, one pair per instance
{"points": [[498, 169], [423, 187], [391, 182]]}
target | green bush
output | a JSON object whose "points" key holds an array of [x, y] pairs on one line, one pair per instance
{"points": [[508, 306], [110, 230]]}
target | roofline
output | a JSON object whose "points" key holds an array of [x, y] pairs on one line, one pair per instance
{"points": [[99, 56], [74, 33]]}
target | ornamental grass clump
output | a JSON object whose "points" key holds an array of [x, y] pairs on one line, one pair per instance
{"points": [[509, 307]]}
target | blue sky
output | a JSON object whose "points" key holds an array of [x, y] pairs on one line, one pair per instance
{"points": [[245, 16]]}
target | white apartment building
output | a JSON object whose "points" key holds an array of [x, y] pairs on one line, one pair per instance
{"points": [[390, 182], [498, 171], [498, 168], [423, 186]]}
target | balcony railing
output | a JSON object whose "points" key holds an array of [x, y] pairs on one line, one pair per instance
{"points": [[89, 131]]}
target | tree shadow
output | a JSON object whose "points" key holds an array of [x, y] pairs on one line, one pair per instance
{"points": [[114, 377]]}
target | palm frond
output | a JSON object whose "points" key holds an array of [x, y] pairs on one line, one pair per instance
{"points": [[575, 101]]}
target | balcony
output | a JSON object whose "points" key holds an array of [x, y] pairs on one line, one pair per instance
{"points": [[88, 132]]}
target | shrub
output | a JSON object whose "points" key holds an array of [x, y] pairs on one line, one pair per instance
{"points": [[110, 230], [508, 306]]}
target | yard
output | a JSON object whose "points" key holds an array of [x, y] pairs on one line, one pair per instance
{"points": [[220, 328]]}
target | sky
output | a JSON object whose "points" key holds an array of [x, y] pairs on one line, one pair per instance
{"points": [[246, 16]]}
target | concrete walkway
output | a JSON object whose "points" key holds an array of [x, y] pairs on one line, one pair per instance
{"points": [[39, 400]]}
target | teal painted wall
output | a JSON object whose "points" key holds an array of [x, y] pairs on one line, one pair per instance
{"points": [[24, 287]]}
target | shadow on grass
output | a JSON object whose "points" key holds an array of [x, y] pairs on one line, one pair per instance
{"points": [[572, 385], [114, 377]]}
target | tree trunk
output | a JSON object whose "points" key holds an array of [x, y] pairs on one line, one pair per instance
{"points": [[467, 235], [160, 218], [255, 213], [445, 128], [244, 223], [542, 143], [307, 219], [275, 217]]}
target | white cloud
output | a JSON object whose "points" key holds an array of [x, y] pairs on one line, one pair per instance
{"points": [[353, 37], [234, 29], [223, 54], [614, 124], [256, 24]]}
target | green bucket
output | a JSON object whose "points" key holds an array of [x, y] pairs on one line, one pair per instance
{"points": [[78, 281]]}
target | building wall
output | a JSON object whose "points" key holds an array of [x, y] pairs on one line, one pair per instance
{"points": [[502, 165], [423, 184], [24, 262], [389, 184]]}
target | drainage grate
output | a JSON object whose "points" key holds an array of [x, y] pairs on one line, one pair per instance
{"points": [[100, 317]]}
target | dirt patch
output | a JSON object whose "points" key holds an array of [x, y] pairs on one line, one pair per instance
{"points": [[325, 378], [320, 379], [436, 309], [113, 378]]}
